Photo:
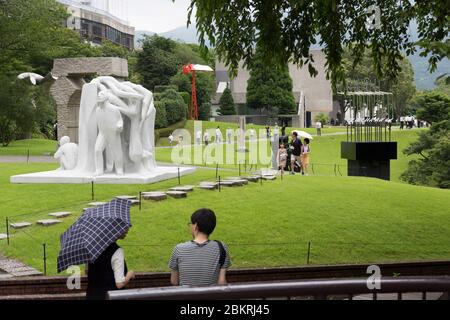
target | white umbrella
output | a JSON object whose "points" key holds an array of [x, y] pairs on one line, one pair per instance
{"points": [[303, 134]]}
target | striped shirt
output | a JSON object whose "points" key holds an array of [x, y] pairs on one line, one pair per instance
{"points": [[198, 264]]}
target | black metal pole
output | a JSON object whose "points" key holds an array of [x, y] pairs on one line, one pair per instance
{"points": [[219, 183], [28, 156], [239, 169], [140, 200], [260, 178], [45, 259], [7, 231], [179, 179], [309, 252], [92, 190], [217, 170]]}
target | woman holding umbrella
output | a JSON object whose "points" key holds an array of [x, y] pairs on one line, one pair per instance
{"points": [[109, 272], [92, 240]]}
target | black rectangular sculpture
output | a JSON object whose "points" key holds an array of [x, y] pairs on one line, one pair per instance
{"points": [[369, 159]]}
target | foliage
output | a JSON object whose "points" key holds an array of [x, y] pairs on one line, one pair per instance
{"points": [[322, 118], [226, 103], [204, 85], [204, 111], [286, 30], [362, 75], [16, 111], [270, 87], [162, 58], [175, 107], [432, 106], [433, 167], [161, 119]]}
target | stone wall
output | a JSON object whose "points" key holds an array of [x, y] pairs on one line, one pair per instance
{"points": [[66, 90]]}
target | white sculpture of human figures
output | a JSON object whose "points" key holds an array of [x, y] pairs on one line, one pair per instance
{"points": [[116, 128], [116, 139], [67, 154]]}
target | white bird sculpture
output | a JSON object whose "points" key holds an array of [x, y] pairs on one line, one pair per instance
{"points": [[36, 78]]}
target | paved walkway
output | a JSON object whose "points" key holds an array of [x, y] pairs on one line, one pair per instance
{"points": [[14, 268]]}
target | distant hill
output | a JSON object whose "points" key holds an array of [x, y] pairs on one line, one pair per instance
{"points": [[424, 80], [183, 34]]}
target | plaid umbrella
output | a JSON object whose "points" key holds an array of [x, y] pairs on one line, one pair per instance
{"points": [[93, 232]]}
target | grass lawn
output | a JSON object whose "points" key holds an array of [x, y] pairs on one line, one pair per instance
{"points": [[325, 153], [347, 220], [37, 147]]}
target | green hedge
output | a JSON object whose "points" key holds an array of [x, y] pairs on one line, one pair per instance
{"points": [[161, 118], [160, 89]]}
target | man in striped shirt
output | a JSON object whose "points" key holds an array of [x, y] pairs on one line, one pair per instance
{"points": [[200, 262]]}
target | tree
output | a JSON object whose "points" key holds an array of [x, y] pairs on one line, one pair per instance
{"points": [[226, 103], [162, 58], [322, 118], [402, 87], [204, 85], [433, 166], [16, 111], [270, 87], [285, 30], [204, 111], [156, 62], [432, 106], [175, 107]]}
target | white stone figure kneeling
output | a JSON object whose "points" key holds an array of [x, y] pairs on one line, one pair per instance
{"points": [[110, 126], [67, 154]]}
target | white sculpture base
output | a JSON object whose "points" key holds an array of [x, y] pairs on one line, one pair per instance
{"points": [[69, 176]]}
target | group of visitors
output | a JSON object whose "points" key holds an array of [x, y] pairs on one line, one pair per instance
{"points": [[297, 152], [198, 262]]}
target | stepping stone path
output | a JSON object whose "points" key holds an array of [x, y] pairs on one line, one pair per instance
{"points": [[14, 268], [238, 181], [183, 188], [60, 214], [3, 236], [177, 194], [231, 183], [269, 177], [126, 197], [97, 204], [134, 202], [251, 178], [48, 222], [20, 225], [154, 195], [208, 185]]}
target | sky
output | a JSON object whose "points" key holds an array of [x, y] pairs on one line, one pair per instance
{"points": [[149, 15]]}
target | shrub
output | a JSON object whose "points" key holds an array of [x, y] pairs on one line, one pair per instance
{"points": [[204, 111], [161, 119], [322, 118], [160, 89]]}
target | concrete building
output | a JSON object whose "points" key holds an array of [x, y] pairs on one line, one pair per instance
{"points": [[95, 24], [312, 95]]}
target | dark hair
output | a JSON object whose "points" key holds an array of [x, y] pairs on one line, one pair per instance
{"points": [[306, 140], [295, 133], [205, 220]]}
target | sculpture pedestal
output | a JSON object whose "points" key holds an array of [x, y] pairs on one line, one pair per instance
{"points": [[369, 159], [72, 176]]}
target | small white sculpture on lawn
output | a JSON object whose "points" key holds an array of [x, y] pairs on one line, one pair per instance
{"points": [[67, 154]]}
